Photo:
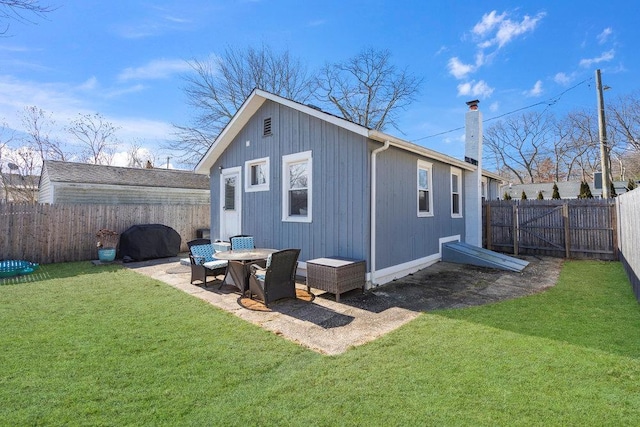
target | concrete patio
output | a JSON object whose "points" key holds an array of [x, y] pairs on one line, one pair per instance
{"points": [[319, 323]]}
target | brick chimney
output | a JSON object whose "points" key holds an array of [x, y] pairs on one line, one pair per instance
{"points": [[473, 179]]}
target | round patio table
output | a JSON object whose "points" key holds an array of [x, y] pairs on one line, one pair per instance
{"points": [[245, 255], [239, 262]]}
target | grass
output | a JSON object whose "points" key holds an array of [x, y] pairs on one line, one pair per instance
{"points": [[105, 346]]}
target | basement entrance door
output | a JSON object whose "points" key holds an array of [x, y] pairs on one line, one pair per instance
{"points": [[230, 203]]}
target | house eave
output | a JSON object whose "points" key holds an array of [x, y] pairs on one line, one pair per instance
{"points": [[248, 109]]}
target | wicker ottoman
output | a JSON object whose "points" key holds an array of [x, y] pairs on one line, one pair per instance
{"points": [[335, 274]]}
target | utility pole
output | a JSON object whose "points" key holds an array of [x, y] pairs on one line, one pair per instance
{"points": [[604, 151]]}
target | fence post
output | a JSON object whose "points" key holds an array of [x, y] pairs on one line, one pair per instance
{"points": [[515, 229], [567, 233], [614, 229], [487, 226]]}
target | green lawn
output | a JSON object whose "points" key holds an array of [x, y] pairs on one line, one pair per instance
{"points": [[94, 346]]}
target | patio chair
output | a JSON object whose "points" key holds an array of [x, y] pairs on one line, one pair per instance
{"points": [[203, 261], [278, 279], [242, 241]]}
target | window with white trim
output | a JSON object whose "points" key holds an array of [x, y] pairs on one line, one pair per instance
{"points": [[425, 194], [297, 187], [256, 175], [456, 193]]}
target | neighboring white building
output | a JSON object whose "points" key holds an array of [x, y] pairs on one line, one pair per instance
{"points": [[66, 182]]}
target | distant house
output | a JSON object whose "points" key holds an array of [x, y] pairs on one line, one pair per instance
{"points": [[294, 176], [566, 189], [18, 188], [67, 182]]}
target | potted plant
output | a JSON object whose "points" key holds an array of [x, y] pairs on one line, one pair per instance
{"points": [[107, 243]]}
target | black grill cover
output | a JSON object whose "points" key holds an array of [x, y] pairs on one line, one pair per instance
{"points": [[149, 241]]}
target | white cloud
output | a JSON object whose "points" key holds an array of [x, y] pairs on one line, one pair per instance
{"points": [[495, 106], [488, 22], [458, 69], [562, 79], [605, 57], [536, 90], [90, 84], [156, 69], [604, 35], [498, 30], [473, 88], [317, 23]]}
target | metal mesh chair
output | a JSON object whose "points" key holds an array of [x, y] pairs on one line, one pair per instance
{"points": [[278, 280]]}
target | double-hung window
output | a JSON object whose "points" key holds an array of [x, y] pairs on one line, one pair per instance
{"points": [[456, 193], [297, 187], [425, 193], [256, 175]]}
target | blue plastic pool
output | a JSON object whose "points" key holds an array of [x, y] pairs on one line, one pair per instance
{"points": [[13, 267]]}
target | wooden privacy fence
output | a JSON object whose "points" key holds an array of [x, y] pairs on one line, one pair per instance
{"points": [[566, 228], [60, 233], [628, 205]]}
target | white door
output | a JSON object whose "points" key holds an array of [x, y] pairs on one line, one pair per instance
{"points": [[230, 203]]}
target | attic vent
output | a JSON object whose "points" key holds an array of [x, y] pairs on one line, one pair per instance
{"points": [[267, 127]]}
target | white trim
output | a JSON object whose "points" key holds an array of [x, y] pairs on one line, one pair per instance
{"points": [[443, 240], [457, 172], [287, 160], [247, 175], [422, 165], [230, 171], [388, 274]]}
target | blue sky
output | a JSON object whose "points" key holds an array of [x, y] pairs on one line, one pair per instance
{"points": [[125, 59]]}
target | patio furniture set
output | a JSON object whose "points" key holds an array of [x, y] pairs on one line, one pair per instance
{"points": [[269, 274]]}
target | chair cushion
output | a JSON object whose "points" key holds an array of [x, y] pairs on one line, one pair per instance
{"points": [[216, 264], [202, 253], [242, 243]]}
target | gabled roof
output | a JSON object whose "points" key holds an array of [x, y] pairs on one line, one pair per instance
{"points": [[259, 97], [84, 173]]}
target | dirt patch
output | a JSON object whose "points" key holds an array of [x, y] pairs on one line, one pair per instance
{"points": [[447, 285]]}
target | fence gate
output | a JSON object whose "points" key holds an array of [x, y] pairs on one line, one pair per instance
{"points": [[565, 228]]}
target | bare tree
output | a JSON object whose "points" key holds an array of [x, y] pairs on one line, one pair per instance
{"points": [[97, 137], [217, 88], [624, 119], [21, 10], [38, 125], [519, 143], [367, 89]]}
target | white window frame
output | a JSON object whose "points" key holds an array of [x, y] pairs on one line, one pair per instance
{"points": [[248, 187], [287, 161], [457, 173], [426, 166]]}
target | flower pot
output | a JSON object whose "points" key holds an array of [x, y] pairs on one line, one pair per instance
{"points": [[106, 254]]}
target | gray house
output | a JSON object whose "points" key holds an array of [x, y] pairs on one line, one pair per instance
{"points": [[296, 177], [67, 182]]}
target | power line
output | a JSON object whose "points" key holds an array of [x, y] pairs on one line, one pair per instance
{"points": [[549, 102]]}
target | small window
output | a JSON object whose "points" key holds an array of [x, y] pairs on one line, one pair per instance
{"points": [[257, 175], [425, 194], [296, 187], [266, 130], [456, 186]]}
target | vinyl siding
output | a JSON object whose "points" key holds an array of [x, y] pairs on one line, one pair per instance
{"points": [[340, 185], [402, 236], [113, 194]]}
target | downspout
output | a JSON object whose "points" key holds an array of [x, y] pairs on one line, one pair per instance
{"points": [[372, 233]]}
